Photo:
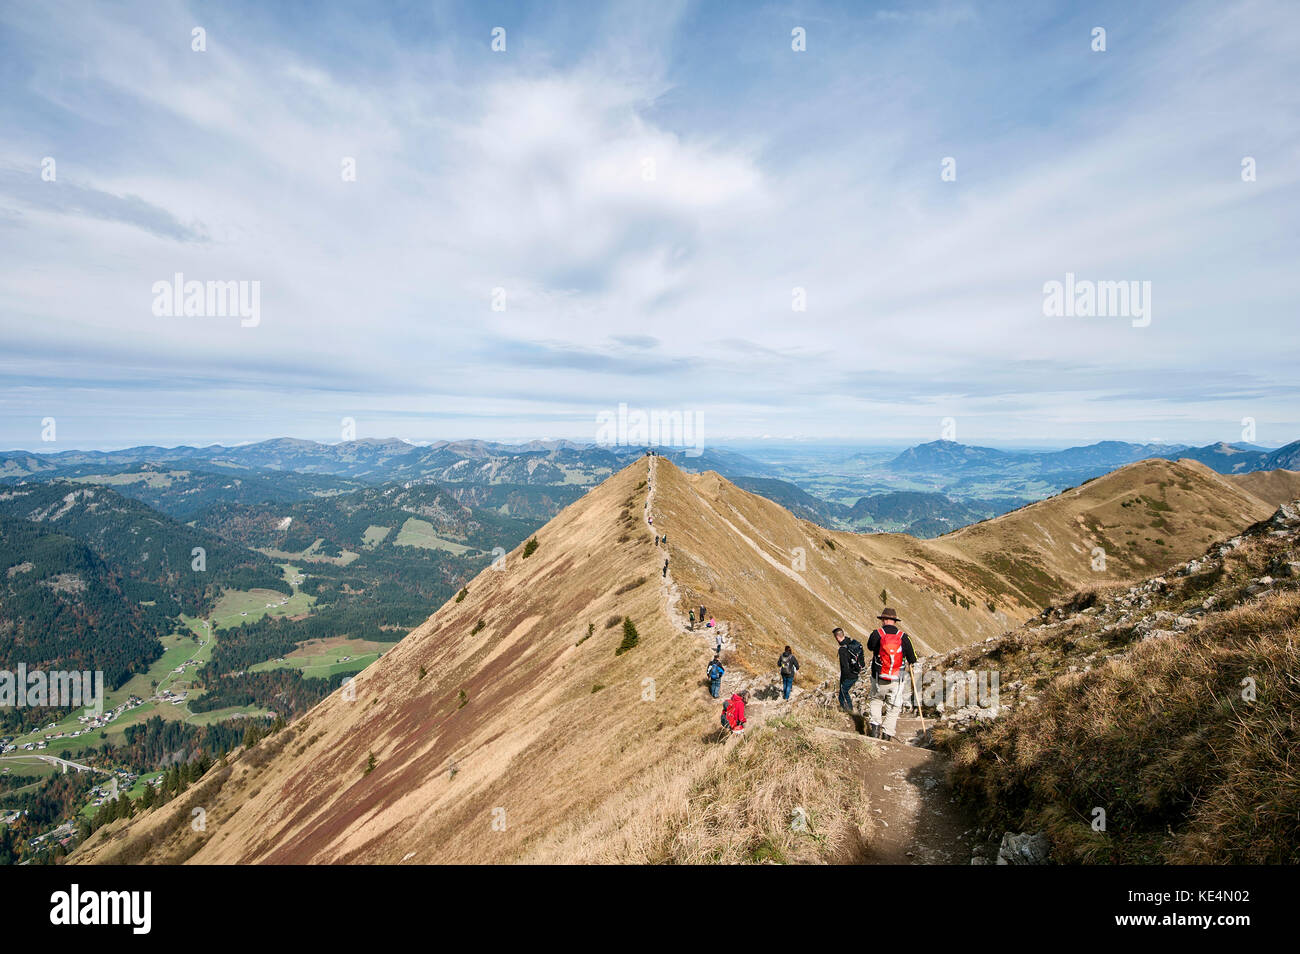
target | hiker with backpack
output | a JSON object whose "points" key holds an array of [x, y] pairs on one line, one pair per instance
{"points": [[852, 661], [733, 712], [788, 666], [890, 647], [691, 625], [715, 673]]}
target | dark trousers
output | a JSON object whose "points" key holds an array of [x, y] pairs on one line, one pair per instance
{"points": [[715, 685], [846, 683]]}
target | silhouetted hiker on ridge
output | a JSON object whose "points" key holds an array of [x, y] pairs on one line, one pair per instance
{"points": [[889, 646], [852, 661], [788, 666]]}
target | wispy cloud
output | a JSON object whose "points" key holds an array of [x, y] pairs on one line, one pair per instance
{"points": [[623, 205]]}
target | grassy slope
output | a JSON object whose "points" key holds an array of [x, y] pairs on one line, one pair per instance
{"points": [[1274, 487], [1156, 731]]}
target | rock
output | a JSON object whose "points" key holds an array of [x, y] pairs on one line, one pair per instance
{"points": [[1287, 515], [1024, 849]]}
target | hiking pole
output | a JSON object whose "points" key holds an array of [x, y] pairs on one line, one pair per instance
{"points": [[916, 696]]}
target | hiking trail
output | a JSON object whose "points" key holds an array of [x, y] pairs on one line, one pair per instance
{"points": [[917, 817]]}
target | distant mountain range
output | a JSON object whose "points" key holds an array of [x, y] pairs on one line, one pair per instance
{"points": [[379, 461], [927, 490], [949, 457]]}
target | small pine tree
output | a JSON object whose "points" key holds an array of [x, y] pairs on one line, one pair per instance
{"points": [[884, 597], [464, 592], [630, 637], [370, 764], [530, 548]]}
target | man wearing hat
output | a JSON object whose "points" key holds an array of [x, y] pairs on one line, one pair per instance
{"points": [[889, 647]]}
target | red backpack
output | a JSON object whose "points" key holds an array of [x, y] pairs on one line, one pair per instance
{"points": [[891, 653]]}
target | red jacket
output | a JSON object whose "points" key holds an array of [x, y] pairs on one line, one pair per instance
{"points": [[736, 713]]}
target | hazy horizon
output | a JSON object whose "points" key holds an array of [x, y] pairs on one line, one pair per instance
{"points": [[740, 445]]}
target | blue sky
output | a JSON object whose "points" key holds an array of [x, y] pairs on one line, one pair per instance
{"points": [[527, 171]]}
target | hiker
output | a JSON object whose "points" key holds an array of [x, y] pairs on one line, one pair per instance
{"points": [[715, 673], [701, 612], [788, 666], [733, 711], [665, 569], [691, 625], [717, 641], [710, 623], [889, 646], [665, 539], [852, 662], [656, 539]]}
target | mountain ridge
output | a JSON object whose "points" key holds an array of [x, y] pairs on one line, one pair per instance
{"points": [[463, 719]]}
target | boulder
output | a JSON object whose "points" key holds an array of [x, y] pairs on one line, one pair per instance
{"points": [[1024, 848]]}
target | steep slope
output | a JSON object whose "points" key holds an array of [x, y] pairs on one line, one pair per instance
{"points": [[1284, 458], [523, 724], [499, 741], [1170, 704], [1274, 487]]}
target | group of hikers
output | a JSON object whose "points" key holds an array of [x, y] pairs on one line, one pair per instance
{"points": [[890, 648], [711, 624]]}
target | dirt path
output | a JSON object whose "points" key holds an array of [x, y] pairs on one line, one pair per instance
{"points": [[918, 819], [672, 596]]}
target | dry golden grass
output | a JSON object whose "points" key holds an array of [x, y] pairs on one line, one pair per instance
{"points": [[778, 794], [1274, 487], [1186, 769]]}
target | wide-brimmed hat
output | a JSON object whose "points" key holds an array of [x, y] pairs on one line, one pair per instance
{"points": [[888, 613]]}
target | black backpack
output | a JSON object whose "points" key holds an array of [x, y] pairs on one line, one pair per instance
{"points": [[856, 658]]}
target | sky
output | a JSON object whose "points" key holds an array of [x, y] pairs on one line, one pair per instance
{"points": [[665, 206]]}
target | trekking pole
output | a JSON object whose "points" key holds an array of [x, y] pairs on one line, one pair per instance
{"points": [[916, 696]]}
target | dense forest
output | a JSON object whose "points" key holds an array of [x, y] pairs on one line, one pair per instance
{"points": [[63, 608], [154, 554]]}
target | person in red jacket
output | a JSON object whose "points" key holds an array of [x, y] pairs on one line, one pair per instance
{"points": [[733, 712]]}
